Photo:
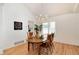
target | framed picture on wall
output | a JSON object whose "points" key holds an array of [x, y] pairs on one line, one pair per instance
{"points": [[18, 25]]}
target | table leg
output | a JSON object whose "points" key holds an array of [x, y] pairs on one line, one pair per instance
{"points": [[33, 46], [39, 51]]}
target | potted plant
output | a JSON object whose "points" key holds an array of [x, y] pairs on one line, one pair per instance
{"points": [[40, 27]]}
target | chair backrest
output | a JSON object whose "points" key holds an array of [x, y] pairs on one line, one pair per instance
{"points": [[50, 38], [30, 35], [52, 35]]}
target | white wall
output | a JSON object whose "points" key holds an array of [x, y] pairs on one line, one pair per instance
{"points": [[67, 28], [14, 12], [1, 22]]}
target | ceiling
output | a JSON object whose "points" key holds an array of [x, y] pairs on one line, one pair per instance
{"points": [[52, 9]]}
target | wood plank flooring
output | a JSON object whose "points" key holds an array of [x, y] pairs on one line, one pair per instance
{"points": [[60, 49]]}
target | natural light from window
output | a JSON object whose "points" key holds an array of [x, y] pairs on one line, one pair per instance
{"points": [[48, 28]]}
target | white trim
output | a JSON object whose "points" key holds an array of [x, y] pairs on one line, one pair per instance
{"points": [[13, 45], [69, 43], [20, 44]]}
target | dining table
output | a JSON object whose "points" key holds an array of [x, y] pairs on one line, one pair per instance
{"points": [[34, 42]]}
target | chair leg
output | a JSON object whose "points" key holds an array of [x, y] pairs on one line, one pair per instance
{"points": [[50, 49], [53, 48]]}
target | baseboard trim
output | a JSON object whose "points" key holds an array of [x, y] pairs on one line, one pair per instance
{"points": [[67, 43], [20, 44], [14, 45]]}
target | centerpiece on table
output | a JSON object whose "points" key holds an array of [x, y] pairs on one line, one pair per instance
{"points": [[38, 30]]}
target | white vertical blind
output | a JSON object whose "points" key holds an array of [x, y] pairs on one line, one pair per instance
{"points": [[51, 27], [48, 27], [45, 28]]}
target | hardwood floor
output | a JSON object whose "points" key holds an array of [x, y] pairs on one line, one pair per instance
{"points": [[19, 50], [65, 49], [60, 49]]}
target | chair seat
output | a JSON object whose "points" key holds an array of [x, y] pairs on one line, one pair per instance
{"points": [[44, 45]]}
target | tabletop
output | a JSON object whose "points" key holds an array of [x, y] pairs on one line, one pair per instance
{"points": [[36, 40]]}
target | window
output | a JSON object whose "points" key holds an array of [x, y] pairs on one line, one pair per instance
{"points": [[48, 27], [51, 27], [45, 28]]}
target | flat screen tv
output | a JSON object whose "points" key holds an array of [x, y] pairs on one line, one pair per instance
{"points": [[17, 25]]}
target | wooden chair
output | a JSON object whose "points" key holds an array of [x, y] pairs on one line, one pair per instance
{"points": [[32, 46], [30, 35], [47, 46], [52, 42], [52, 34]]}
